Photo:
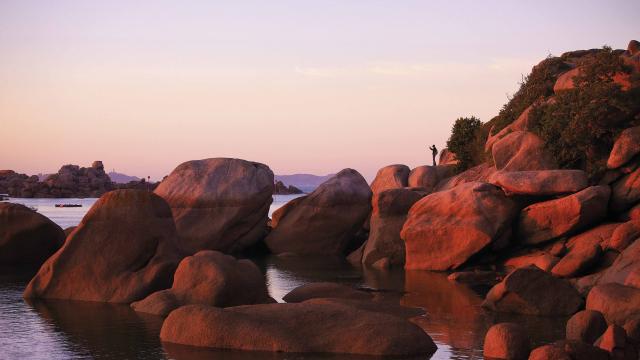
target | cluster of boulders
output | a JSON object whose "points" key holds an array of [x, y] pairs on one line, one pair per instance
{"points": [[166, 253], [69, 181]]}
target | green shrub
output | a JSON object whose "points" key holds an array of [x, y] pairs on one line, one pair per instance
{"points": [[538, 84], [467, 142], [581, 125]]}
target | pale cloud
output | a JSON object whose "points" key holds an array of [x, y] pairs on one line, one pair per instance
{"points": [[322, 72]]}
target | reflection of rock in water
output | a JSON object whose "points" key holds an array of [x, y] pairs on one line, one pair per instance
{"points": [[454, 315], [104, 330], [182, 352], [453, 310]]}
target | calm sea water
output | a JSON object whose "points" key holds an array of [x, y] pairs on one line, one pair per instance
{"points": [[82, 330]]}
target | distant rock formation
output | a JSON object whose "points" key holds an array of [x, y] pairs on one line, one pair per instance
{"points": [[69, 181], [282, 189], [305, 182]]}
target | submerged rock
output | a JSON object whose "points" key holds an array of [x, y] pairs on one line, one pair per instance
{"points": [[125, 248], [324, 222], [219, 204], [443, 230], [554, 218], [324, 290], [534, 292], [209, 278], [306, 327], [27, 238]]}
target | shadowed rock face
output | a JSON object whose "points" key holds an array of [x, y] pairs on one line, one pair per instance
{"points": [[325, 221], [390, 209], [567, 350], [443, 230], [209, 278], [626, 192], [308, 327], [618, 303], [554, 218], [27, 238], [124, 249], [219, 204], [534, 292]]}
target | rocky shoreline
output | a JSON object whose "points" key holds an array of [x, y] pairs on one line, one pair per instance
{"points": [[550, 239]]}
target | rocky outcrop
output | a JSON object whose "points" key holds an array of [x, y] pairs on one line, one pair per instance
{"points": [[615, 342], [540, 259], [390, 177], [626, 147], [522, 151], [324, 290], [209, 278], [618, 303], [69, 181], [507, 341], [540, 183], [306, 327], [586, 326], [565, 81], [623, 268], [521, 292], [580, 258], [220, 203], [325, 221], [125, 248], [447, 158], [445, 229], [390, 209], [554, 218], [27, 238], [281, 189]]}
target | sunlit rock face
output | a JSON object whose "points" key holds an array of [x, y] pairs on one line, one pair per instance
{"points": [[210, 278], [219, 204], [27, 238], [554, 218], [445, 229], [390, 177], [307, 327], [324, 222], [125, 248]]}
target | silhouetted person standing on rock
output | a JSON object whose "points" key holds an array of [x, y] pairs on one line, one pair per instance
{"points": [[434, 151]]}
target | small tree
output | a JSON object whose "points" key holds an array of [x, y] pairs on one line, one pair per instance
{"points": [[465, 141]]}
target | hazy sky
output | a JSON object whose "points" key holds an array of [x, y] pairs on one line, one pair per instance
{"points": [[303, 86]]}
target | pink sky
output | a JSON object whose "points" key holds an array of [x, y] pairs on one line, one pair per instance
{"points": [[303, 86]]}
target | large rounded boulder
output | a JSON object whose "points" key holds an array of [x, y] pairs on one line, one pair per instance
{"points": [[390, 177], [209, 278], [533, 291], [307, 327], [508, 341], [325, 221], [626, 147], [27, 238], [219, 204], [390, 209], [443, 230], [618, 303], [626, 192], [427, 177], [559, 217], [125, 248]]}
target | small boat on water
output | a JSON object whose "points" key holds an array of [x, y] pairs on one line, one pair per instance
{"points": [[68, 205]]}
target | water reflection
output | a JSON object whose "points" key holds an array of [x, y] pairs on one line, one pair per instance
{"points": [[84, 330]]}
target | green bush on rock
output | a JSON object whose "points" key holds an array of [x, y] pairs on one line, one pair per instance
{"points": [[467, 142]]}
